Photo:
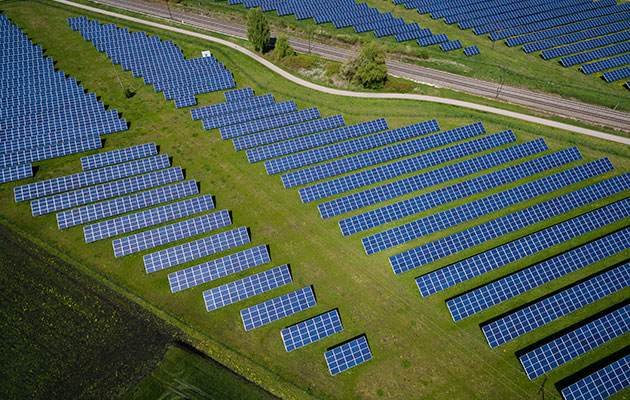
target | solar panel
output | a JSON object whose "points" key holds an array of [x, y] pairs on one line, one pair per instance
{"points": [[263, 124], [451, 45], [512, 222], [602, 384], [247, 287], [16, 172], [471, 51], [362, 160], [218, 268], [574, 37], [551, 308], [497, 257], [184, 101], [48, 152], [146, 218], [537, 275], [348, 355], [617, 74], [118, 156], [107, 190], [231, 106], [247, 115], [460, 190], [288, 132], [277, 308], [480, 207], [585, 45], [411, 184], [171, 233], [93, 177], [238, 94], [402, 167], [575, 343], [316, 140], [121, 205], [196, 249], [311, 330]]}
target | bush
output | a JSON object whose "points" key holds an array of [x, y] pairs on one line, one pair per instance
{"points": [[332, 68], [258, 29], [368, 69], [302, 61], [283, 48]]}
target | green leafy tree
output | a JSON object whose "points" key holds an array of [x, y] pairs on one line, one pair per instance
{"points": [[283, 48], [258, 29], [368, 69]]}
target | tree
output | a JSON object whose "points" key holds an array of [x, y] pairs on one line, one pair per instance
{"points": [[257, 29], [368, 69], [283, 48]]}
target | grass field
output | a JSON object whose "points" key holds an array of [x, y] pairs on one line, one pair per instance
{"points": [[418, 351], [497, 62]]}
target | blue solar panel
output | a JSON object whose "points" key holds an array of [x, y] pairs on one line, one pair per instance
{"points": [[278, 307], [93, 177], [288, 132], [512, 222], [118, 156], [121, 205], [196, 249], [171, 233], [52, 151], [238, 94], [362, 160], [263, 124], [398, 168], [452, 45], [183, 101], [408, 185], [574, 37], [348, 355], [471, 51], [247, 115], [617, 74], [434, 39], [426, 201], [232, 106], [311, 330], [497, 257], [15, 173], [107, 190], [218, 268], [486, 205], [537, 275], [602, 384], [575, 343], [597, 54], [551, 308], [147, 218], [585, 45], [247, 287], [318, 139]]}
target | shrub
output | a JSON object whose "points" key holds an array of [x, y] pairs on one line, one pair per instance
{"points": [[258, 29], [368, 69], [332, 68], [302, 61], [283, 48]]}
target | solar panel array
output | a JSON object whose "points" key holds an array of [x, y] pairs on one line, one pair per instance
{"points": [[247, 287], [617, 74], [159, 63], [277, 308], [171, 233], [121, 205], [411, 184], [558, 28], [471, 51], [575, 343], [417, 204], [247, 115], [105, 159], [197, 249], [537, 275], [217, 268], [311, 330], [497, 257], [601, 384], [147, 218], [510, 223], [475, 209], [238, 94], [231, 106], [342, 13], [43, 114], [262, 124], [551, 308], [348, 355]]}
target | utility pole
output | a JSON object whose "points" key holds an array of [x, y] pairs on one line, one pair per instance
{"points": [[169, 10]]}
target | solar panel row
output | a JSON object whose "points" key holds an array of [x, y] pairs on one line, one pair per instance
{"points": [[238, 94], [348, 355], [264, 124], [231, 106], [15, 173], [311, 330], [118, 156], [601, 384], [277, 308], [247, 115]]}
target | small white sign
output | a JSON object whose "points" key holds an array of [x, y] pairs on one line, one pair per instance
{"points": [[206, 53]]}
